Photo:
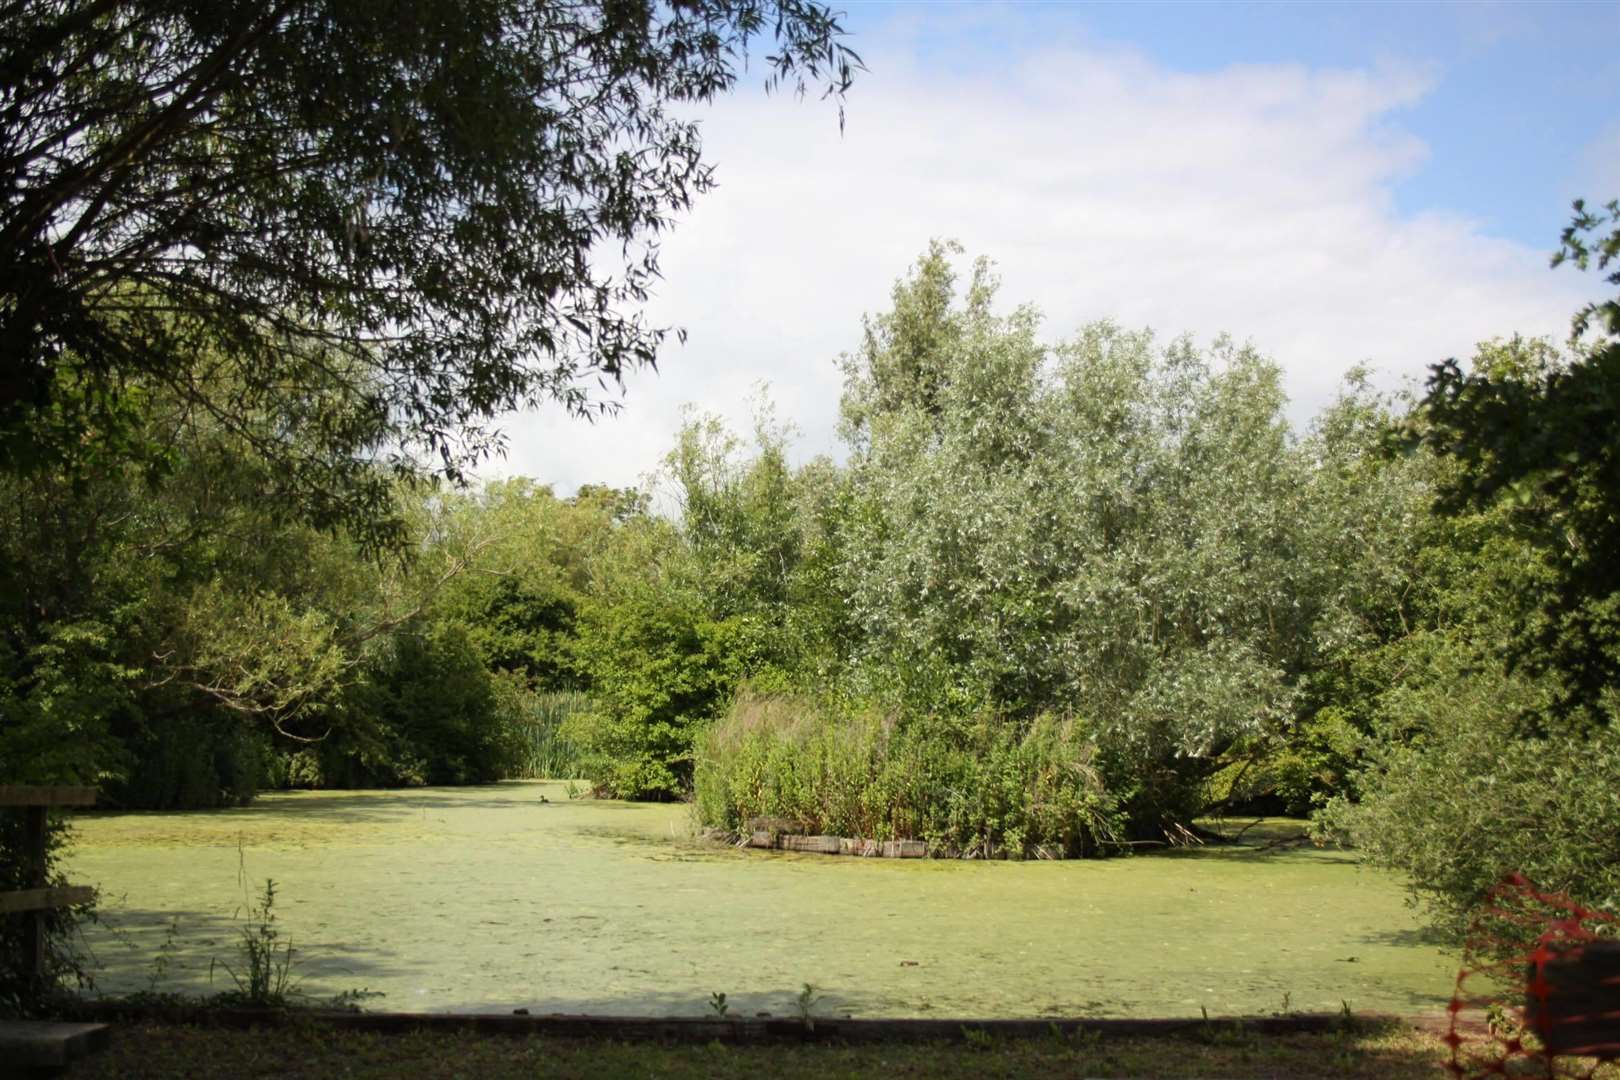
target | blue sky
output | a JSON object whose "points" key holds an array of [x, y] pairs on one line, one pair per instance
{"points": [[1337, 184], [1524, 104]]}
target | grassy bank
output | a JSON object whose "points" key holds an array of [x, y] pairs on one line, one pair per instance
{"points": [[1388, 1052]]}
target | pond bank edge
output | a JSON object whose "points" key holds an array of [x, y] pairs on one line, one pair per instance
{"points": [[729, 1030]]}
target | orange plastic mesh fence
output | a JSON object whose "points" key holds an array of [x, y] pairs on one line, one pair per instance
{"points": [[1509, 1013]]}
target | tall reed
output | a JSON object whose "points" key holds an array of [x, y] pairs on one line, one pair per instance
{"points": [[985, 787], [537, 719]]}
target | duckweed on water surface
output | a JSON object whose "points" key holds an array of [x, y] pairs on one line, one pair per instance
{"points": [[514, 896]]}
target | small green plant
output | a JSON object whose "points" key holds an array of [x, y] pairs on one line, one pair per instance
{"points": [[806, 1003], [978, 1038], [1345, 1030], [717, 1004], [1086, 1039], [1499, 1021], [163, 958], [1080, 1042], [1236, 1034], [266, 979]]}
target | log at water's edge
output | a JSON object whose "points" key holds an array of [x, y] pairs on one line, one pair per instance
{"points": [[773, 840], [816, 845]]}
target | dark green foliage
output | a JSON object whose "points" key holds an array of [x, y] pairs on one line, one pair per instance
{"points": [[1542, 436], [1315, 759], [63, 682], [1468, 769], [1486, 716], [661, 669], [58, 699], [184, 761], [521, 627], [411, 209], [1457, 797], [679, 614], [424, 711], [72, 603]]}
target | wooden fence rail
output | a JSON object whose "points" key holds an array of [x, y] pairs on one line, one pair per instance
{"points": [[37, 897]]}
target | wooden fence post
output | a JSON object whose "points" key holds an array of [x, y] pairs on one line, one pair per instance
{"points": [[36, 897], [34, 863]]}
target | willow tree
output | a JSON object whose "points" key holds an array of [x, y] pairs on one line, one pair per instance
{"points": [[1108, 527]]}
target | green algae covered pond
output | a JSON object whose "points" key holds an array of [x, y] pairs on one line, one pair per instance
{"points": [[514, 896]]}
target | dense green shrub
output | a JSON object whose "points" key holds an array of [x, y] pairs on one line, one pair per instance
{"points": [[661, 674], [982, 787], [1457, 794], [197, 760], [425, 711], [58, 702], [1291, 774], [1465, 767]]}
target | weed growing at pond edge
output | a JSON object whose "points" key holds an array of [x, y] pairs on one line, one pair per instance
{"points": [[806, 1004], [717, 1004], [267, 962], [162, 958], [1236, 1035], [1081, 1040]]}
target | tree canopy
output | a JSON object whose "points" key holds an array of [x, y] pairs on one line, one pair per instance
{"points": [[1543, 432], [381, 223]]}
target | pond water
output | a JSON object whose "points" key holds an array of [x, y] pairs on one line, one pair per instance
{"points": [[514, 896]]}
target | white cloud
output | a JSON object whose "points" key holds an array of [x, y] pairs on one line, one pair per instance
{"points": [[1254, 200]]}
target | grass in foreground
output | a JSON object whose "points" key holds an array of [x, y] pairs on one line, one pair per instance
{"points": [[138, 1051]]}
